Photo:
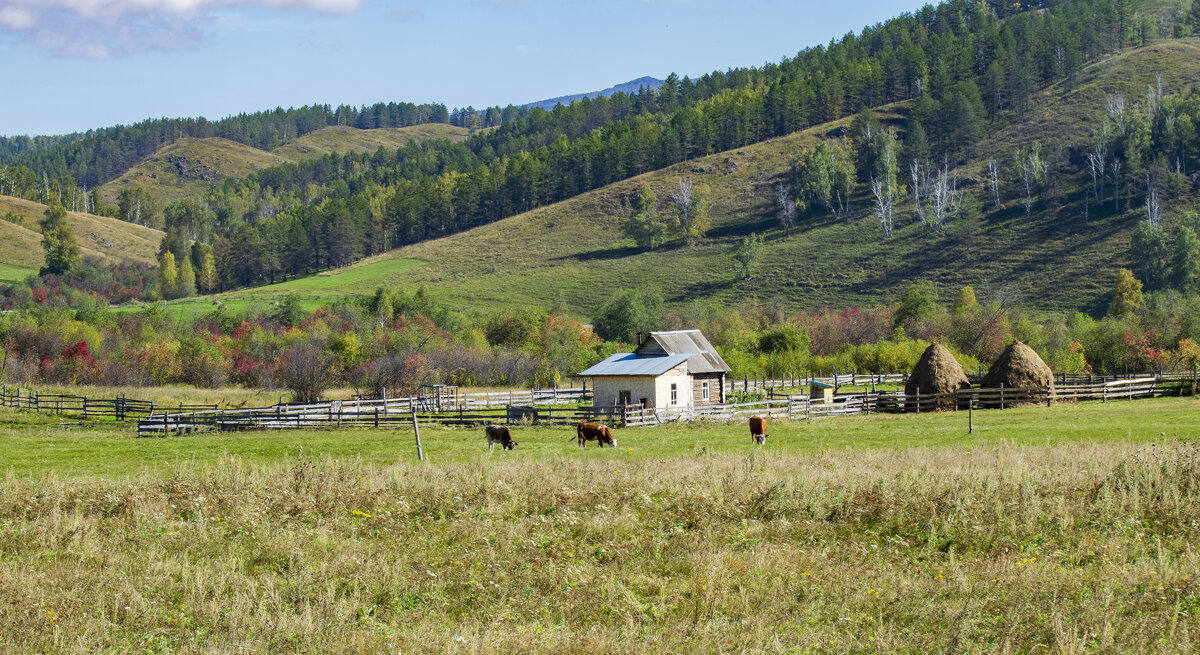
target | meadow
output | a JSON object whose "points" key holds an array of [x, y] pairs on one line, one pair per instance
{"points": [[1069, 529]]}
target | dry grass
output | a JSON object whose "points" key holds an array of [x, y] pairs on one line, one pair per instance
{"points": [[349, 139], [1062, 549], [99, 236], [188, 167]]}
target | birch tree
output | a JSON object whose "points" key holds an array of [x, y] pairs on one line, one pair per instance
{"points": [[919, 172], [993, 173], [1153, 205], [1031, 170], [785, 208], [944, 198], [691, 209]]}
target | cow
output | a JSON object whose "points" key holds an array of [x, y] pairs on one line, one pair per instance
{"points": [[585, 432], [758, 429], [499, 434]]}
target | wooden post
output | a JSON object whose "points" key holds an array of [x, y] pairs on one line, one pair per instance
{"points": [[918, 400], [970, 415], [166, 423], [417, 433], [376, 417], [1001, 395]]}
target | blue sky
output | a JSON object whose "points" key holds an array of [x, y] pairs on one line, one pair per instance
{"points": [[77, 64]]}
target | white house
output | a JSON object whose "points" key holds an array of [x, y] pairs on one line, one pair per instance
{"points": [[668, 370]]}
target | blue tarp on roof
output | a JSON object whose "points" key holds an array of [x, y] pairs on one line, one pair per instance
{"points": [[633, 364]]}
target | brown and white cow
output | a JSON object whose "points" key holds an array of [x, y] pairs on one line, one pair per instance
{"points": [[585, 432], [758, 429], [499, 434]]}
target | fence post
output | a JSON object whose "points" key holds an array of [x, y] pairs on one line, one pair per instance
{"points": [[166, 423], [970, 415], [376, 417], [1001, 395], [417, 433], [918, 400]]}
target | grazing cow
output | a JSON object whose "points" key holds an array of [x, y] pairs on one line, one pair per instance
{"points": [[758, 429], [499, 434], [585, 432]]}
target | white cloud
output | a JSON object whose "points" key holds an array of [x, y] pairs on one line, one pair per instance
{"points": [[16, 18], [100, 29]]}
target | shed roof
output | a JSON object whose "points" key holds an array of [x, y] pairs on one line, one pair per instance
{"points": [[703, 356], [632, 364]]}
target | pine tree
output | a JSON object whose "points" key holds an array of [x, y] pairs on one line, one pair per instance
{"points": [[1185, 262], [1193, 17], [62, 252]]}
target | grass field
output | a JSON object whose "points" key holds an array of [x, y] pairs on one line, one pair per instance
{"points": [[1061, 530], [361, 279], [10, 273]]}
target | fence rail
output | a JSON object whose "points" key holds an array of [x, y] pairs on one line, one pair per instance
{"points": [[545, 406]]}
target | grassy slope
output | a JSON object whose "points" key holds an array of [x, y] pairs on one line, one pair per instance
{"points": [[348, 139], [574, 249], [189, 166], [99, 236]]}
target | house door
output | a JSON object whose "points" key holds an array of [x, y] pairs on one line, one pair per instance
{"points": [[624, 397]]}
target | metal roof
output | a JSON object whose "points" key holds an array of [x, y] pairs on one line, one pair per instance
{"points": [[633, 364], [704, 357]]}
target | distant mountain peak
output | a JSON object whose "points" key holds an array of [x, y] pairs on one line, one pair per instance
{"points": [[631, 86]]}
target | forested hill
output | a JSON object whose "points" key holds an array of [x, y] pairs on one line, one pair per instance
{"points": [[963, 70], [970, 65], [631, 87], [99, 156]]}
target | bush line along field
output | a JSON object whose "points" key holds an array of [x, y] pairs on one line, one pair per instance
{"points": [[1069, 533]]}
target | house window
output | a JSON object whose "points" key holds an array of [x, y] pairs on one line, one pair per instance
{"points": [[674, 394], [704, 390]]}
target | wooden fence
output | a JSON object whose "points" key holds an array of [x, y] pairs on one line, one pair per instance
{"points": [[119, 408], [402, 412]]}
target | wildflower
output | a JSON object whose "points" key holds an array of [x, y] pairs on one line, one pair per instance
{"points": [[359, 514]]}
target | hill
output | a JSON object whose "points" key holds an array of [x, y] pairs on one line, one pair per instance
{"points": [[349, 139], [573, 252], [189, 166], [631, 87], [99, 236]]}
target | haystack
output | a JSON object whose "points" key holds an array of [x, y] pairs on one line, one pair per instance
{"points": [[1019, 367], [937, 372]]}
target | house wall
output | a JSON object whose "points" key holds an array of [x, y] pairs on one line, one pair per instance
{"points": [[716, 389], [658, 389]]}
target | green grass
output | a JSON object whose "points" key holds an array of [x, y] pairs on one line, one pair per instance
{"points": [[10, 273], [32, 444], [313, 291]]}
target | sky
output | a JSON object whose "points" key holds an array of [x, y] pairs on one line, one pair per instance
{"points": [[72, 65]]}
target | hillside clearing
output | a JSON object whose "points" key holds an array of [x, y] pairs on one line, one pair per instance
{"points": [[99, 236], [349, 139]]}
